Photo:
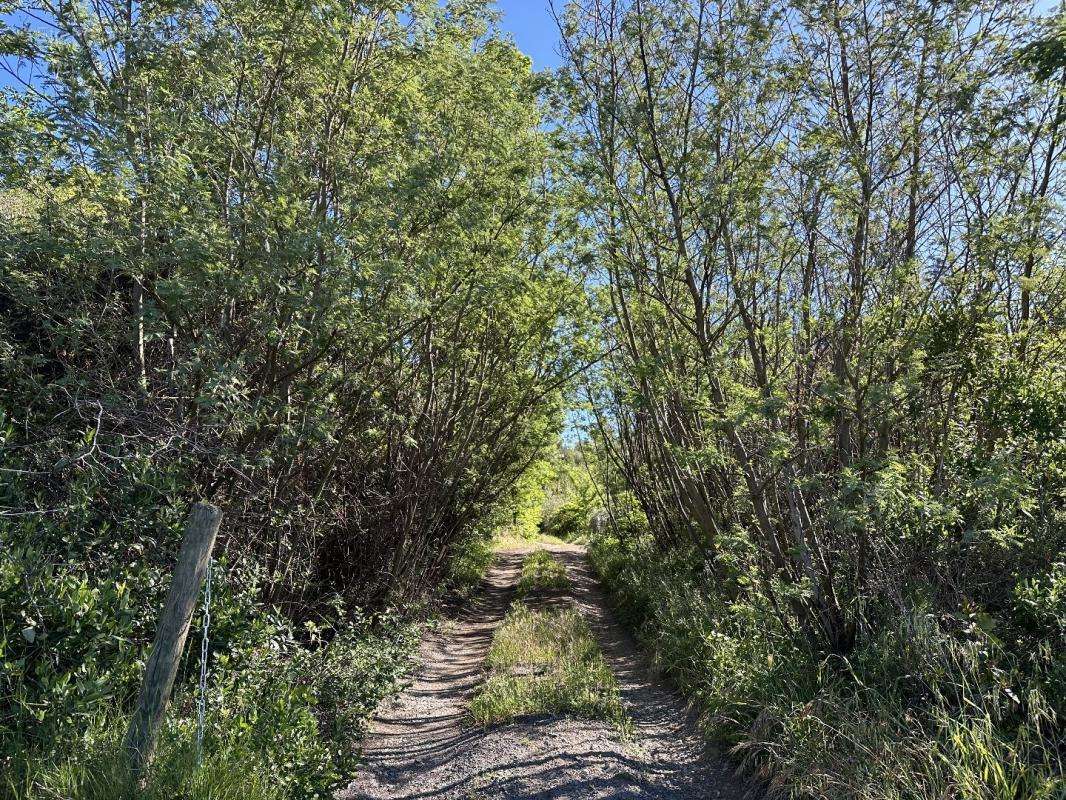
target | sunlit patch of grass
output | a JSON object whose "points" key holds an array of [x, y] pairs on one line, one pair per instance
{"points": [[547, 662], [541, 571], [505, 539]]}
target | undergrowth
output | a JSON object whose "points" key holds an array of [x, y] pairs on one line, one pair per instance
{"points": [[546, 662], [470, 564], [285, 705], [935, 707]]}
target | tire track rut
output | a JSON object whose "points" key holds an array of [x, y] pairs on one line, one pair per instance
{"points": [[421, 745]]}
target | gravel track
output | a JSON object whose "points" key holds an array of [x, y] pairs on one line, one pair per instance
{"points": [[421, 744]]}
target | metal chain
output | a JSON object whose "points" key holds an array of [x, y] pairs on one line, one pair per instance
{"points": [[201, 706]]}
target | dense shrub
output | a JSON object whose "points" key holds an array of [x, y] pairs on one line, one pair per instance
{"points": [[830, 419], [285, 705], [302, 260], [935, 706], [570, 496]]}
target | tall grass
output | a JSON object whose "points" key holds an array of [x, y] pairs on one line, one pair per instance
{"points": [[932, 708], [233, 770]]}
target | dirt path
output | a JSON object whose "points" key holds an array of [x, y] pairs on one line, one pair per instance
{"points": [[420, 746]]}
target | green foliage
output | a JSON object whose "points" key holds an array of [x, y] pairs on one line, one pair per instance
{"points": [[1047, 54], [828, 426], [71, 646], [284, 712], [302, 701], [303, 260], [470, 565], [288, 343], [570, 497], [567, 523], [934, 707], [66, 651], [526, 502], [546, 662], [804, 341], [541, 572]]}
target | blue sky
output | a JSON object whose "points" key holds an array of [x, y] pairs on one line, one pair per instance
{"points": [[531, 24], [534, 31]]}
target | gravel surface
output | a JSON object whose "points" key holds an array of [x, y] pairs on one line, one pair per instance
{"points": [[421, 744]]}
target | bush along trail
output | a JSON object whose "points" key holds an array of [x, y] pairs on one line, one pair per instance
{"points": [[537, 693], [763, 302]]}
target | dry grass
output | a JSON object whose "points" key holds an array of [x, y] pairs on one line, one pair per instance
{"points": [[505, 539]]}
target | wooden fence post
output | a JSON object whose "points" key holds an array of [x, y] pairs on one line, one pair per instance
{"points": [[162, 667]]}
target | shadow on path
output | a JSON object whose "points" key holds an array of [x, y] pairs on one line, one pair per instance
{"points": [[422, 745]]}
